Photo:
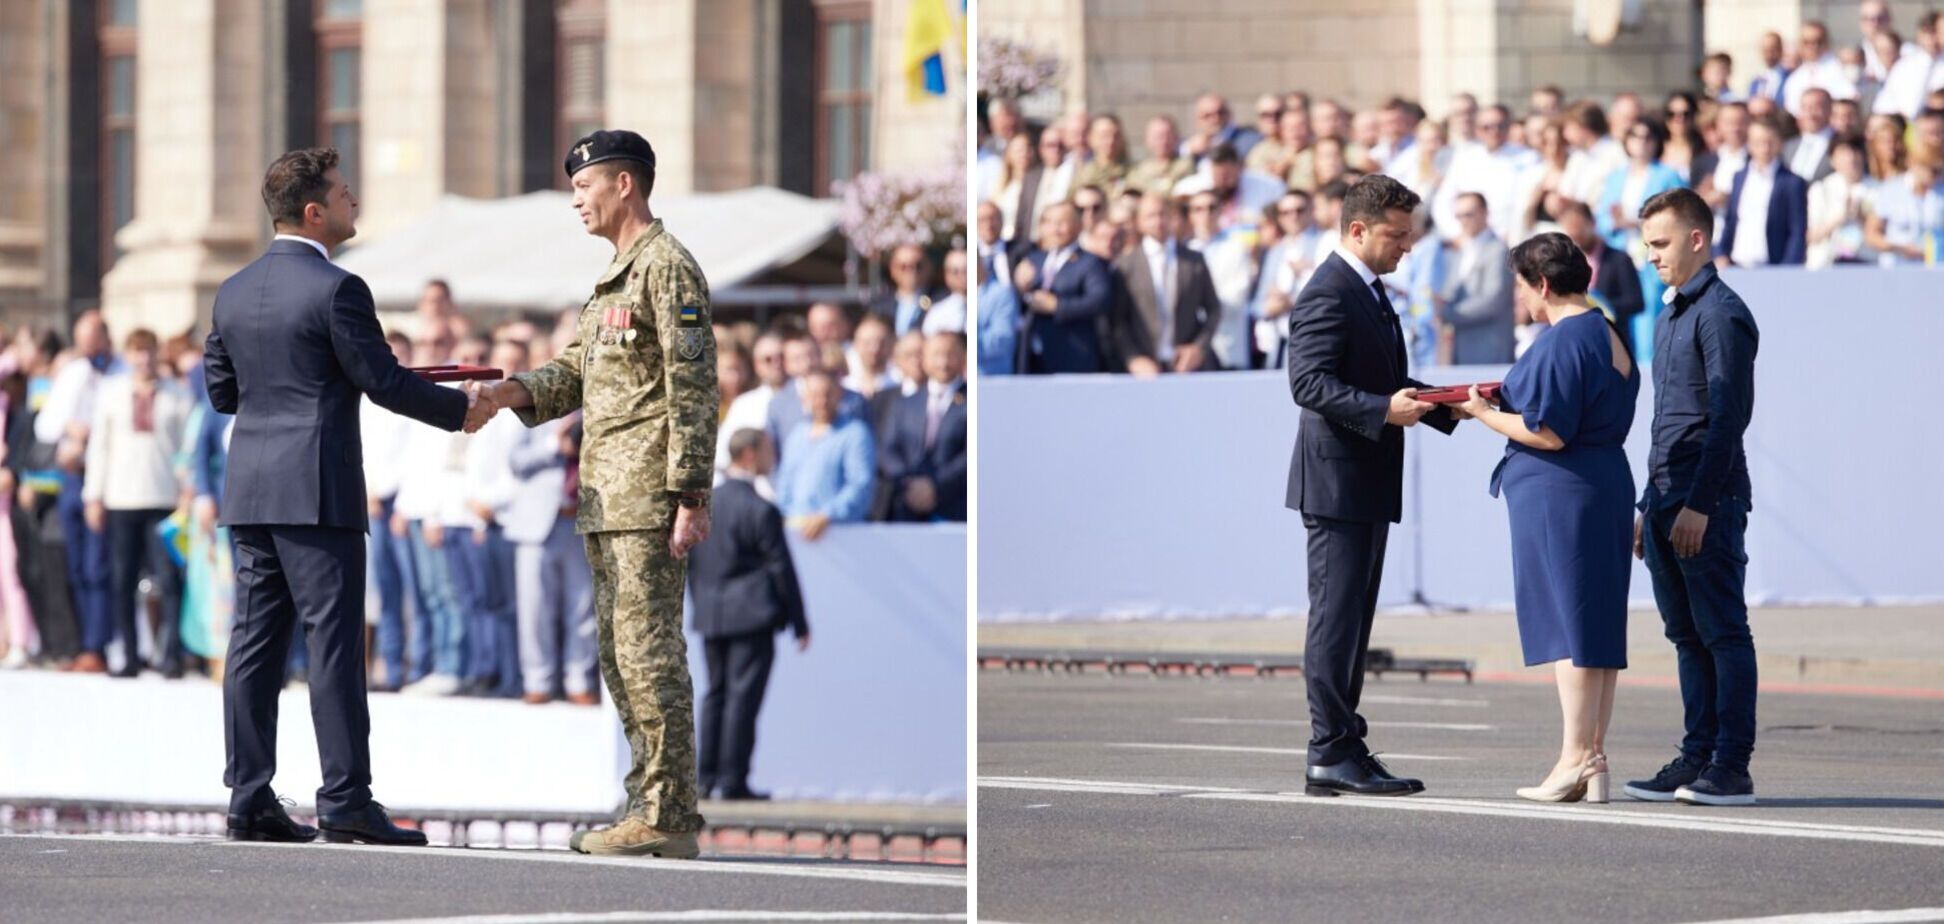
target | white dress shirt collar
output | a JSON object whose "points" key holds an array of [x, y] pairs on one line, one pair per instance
{"points": [[1363, 272], [326, 254]]}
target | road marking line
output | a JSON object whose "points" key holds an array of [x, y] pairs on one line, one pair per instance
{"points": [[1304, 723], [1238, 749], [1387, 700], [623, 917], [754, 866], [1645, 818], [1844, 917]]}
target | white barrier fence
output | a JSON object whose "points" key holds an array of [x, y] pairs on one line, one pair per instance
{"points": [[1107, 496], [875, 711]]}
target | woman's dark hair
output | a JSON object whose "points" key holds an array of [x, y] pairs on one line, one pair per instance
{"points": [[1656, 135], [1554, 258]]}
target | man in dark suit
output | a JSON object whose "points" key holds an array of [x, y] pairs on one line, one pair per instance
{"points": [[1807, 154], [1616, 281], [921, 457], [293, 346], [912, 293], [1170, 311], [1347, 372], [1064, 291], [745, 591], [1766, 220]]}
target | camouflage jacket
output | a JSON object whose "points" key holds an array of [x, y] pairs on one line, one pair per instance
{"points": [[642, 368]]}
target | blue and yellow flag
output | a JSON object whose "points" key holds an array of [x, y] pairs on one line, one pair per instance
{"points": [[927, 29]]}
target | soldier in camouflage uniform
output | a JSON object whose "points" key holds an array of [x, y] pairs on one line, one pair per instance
{"points": [[642, 368]]}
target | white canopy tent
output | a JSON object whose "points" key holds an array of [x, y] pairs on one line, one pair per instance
{"points": [[531, 252]]}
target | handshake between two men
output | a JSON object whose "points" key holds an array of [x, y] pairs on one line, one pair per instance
{"points": [[483, 402]]}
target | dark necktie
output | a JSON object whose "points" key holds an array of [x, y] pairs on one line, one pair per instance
{"points": [[1390, 318]]}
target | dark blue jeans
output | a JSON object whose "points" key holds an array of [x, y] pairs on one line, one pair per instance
{"points": [[482, 575], [1706, 616], [87, 569], [391, 572]]}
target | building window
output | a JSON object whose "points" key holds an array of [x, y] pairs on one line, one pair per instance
{"points": [[117, 125], [581, 57], [340, 52], [843, 77]]}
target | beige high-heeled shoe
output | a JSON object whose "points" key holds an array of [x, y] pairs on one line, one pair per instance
{"points": [[1590, 784]]}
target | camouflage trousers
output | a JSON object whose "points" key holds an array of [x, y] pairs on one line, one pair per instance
{"points": [[644, 661]]}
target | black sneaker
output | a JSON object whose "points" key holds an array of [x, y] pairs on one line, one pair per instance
{"points": [[1679, 772], [1719, 785]]}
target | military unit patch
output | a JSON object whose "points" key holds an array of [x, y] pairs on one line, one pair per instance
{"points": [[688, 341]]}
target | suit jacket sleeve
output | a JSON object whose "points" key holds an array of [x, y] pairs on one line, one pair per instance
{"points": [[1795, 202], [1486, 295], [950, 474], [895, 460], [1211, 309], [1130, 332], [1094, 296], [1730, 225], [1627, 299], [368, 361], [219, 373], [773, 547], [853, 500], [1318, 336]]}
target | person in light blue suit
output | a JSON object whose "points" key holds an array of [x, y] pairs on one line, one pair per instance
{"points": [[1617, 216], [998, 323]]}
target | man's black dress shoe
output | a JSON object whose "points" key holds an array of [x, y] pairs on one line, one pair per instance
{"points": [[368, 825], [1358, 776], [744, 794], [270, 824]]}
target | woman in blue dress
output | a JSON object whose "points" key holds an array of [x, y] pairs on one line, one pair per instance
{"points": [[1567, 406]]}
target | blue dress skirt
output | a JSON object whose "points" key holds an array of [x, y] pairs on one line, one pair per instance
{"points": [[1571, 509]]}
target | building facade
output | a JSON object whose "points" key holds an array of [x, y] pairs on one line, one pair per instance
{"points": [[136, 131]]}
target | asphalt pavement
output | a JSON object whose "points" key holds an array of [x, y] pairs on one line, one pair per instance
{"points": [[1176, 799]]}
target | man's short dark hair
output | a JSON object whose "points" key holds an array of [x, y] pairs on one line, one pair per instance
{"points": [[1688, 208], [744, 440], [1554, 258], [1371, 199], [1335, 190], [296, 180], [1224, 153], [644, 175], [1574, 206], [441, 285]]}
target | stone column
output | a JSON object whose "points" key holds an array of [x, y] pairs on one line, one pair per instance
{"points": [[24, 42], [429, 111], [199, 163], [652, 86]]}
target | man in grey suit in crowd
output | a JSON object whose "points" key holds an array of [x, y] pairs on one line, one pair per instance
{"points": [[1476, 305], [1170, 310]]}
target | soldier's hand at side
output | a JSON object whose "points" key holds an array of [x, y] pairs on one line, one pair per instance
{"points": [[691, 528], [1406, 409]]}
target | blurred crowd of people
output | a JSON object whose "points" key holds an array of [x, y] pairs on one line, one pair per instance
{"points": [[112, 559], [1187, 254]]}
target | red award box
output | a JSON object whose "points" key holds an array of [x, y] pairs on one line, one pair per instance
{"points": [[1458, 394], [458, 373]]}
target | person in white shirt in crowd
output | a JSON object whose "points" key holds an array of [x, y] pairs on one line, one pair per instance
{"points": [[1915, 72], [1773, 79], [1003, 122], [137, 428], [1846, 118], [418, 517], [1073, 131], [1820, 67], [1807, 154], [481, 555], [555, 596], [870, 370], [1240, 195], [751, 409], [1055, 174], [1730, 156], [1397, 125], [1906, 227], [1546, 177], [384, 436], [63, 422], [1284, 269], [1461, 120], [1366, 132], [1716, 71], [947, 315], [1475, 307], [1873, 22], [1764, 192], [1229, 253], [1594, 155], [1838, 204], [1423, 166], [1623, 115], [1491, 168]]}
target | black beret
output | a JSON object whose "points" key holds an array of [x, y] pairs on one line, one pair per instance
{"points": [[609, 145]]}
